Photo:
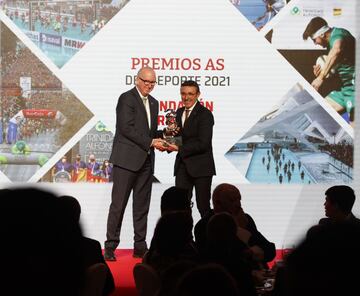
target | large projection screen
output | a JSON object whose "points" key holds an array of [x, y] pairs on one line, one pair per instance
{"points": [[65, 63]]}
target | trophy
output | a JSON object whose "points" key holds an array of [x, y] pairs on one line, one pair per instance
{"points": [[172, 129]]}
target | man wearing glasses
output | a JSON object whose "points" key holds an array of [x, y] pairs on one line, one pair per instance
{"points": [[341, 58], [133, 157]]}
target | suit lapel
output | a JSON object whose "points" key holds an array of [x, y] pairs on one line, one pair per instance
{"points": [[142, 106], [192, 114], [139, 99], [179, 115], [152, 112]]}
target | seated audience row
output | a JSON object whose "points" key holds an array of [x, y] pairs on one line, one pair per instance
{"points": [[227, 242], [226, 236], [43, 242], [227, 256]]}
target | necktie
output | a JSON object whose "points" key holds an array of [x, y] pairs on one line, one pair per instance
{"points": [[144, 99], [187, 112]]}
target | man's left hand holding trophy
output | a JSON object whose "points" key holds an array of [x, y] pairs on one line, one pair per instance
{"points": [[171, 141]]}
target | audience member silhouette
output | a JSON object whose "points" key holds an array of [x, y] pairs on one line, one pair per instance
{"points": [[41, 249], [226, 249], [338, 205], [323, 264], [171, 275], [209, 280], [175, 199], [172, 241], [227, 198], [91, 249]]}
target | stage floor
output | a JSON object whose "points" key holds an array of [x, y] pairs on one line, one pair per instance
{"points": [[122, 271]]}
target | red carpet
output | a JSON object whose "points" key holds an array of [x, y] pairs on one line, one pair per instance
{"points": [[122, 270]]}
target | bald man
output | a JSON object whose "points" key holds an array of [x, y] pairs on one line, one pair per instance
{"points": [[133, 159], [227, 198]]}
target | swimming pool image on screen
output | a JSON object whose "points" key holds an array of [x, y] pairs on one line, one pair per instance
{"points": [[71, 32], [298, 142], [61, 28], [266, 168], [59, 55]]}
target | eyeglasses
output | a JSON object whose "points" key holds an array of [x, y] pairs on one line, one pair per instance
{"points": [[147, 82], [191, 204]]}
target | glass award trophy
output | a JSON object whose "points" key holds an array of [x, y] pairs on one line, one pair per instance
{"points": [[172, 129]]}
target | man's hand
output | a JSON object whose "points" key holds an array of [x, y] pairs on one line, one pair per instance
{"points": [[172, 147], [159, 144], [316, 70], [317, 82]]}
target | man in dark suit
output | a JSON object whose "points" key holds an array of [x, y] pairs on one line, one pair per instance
{"points": [[194, 164], [133, 158]]}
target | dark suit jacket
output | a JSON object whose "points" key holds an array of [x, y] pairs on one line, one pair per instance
{"points": [[133, 137], [256, 238], [196, 149], [351, 219]]}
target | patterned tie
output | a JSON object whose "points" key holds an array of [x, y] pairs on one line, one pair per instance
{"points": [[187, 112]]}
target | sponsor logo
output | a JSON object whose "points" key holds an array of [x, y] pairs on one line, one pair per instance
{"points": [[337, 11], [100, 127], [295, 10], [50, 39], [38, 113], [73, 43], [313, 11]]}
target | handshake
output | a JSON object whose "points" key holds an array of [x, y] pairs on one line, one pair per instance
{"points": [[163, 145]]}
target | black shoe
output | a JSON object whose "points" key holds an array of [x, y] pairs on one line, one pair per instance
{"points": [[139, 253], [109, 255]]}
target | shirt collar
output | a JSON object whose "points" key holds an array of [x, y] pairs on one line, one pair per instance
{"points": [[141, 96], [192, 107]]}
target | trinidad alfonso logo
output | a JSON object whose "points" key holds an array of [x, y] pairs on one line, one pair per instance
{"points": [[295, 10]]}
